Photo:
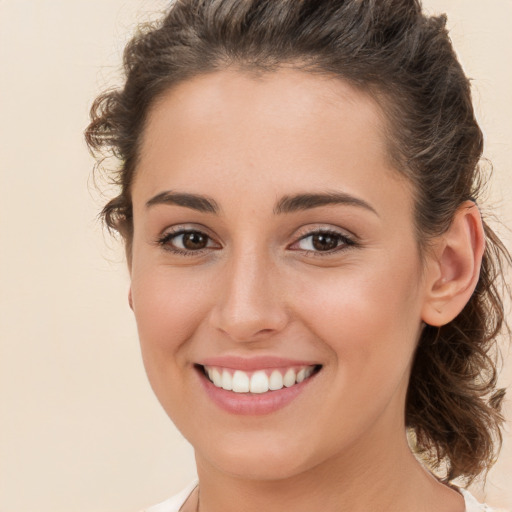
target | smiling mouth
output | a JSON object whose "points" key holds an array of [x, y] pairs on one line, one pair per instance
{"points": [[259, 381]]}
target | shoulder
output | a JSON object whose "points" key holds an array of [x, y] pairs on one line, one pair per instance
{"points": [[175, 503], [473, 505]]}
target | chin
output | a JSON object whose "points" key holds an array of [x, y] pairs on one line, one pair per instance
{"points": [[259, 468], [264, 460]]}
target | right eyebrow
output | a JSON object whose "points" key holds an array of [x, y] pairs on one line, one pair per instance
{"points": [[194, 201], [301, 202]]}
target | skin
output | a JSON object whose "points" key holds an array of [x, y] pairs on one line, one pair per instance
{"points": [[260, 288]]}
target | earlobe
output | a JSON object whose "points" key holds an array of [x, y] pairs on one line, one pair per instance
{"points": [[454, 268]]}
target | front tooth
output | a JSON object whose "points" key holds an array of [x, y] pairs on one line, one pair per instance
{"points": [[216, 378], [240, 382], [227, 380], [259, 382], [276, 381], [289, 378], [301, 375]]}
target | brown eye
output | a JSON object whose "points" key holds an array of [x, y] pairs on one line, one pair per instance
{"points": [[325, 242], [187, 242], [194, 240]]}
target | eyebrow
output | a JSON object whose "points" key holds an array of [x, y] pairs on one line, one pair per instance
{"points": [[301, 202], [287, 204], [194, 201]]}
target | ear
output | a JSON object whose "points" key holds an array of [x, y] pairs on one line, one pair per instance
{"points": [[130, 300], [454, 266]]}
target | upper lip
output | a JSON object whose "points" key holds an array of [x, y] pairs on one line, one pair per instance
{"points": [[253, 363]]}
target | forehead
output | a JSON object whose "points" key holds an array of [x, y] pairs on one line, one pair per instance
{"points": [[283, 127], [279, 99], [283, 91]]}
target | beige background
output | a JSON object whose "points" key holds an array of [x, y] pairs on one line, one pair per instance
{"points": [[79, 427]]}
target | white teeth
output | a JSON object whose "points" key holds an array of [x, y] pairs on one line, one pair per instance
{"points": [[216, 377], [240, 382], [276, 381], [289, 378], [259, 382], [227, 380]]}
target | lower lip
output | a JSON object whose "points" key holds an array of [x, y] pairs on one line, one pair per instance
{"points": [[252, 403]]}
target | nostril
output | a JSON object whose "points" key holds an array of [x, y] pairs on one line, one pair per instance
{"points": [[246, 333]]}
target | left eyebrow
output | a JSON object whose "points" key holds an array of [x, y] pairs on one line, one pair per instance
{"points": [[194, 201], [301, 202]]}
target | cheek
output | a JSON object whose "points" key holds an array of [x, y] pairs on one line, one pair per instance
{"points": [[368, 318], [168, 307], [372, 336]]}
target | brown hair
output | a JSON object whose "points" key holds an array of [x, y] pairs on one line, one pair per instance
{"points": [[405, 60]]}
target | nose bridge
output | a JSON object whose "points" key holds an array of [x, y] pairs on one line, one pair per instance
{"points": [[249, 304]]}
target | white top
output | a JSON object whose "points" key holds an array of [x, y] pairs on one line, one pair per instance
{"points": [[176, 502]]}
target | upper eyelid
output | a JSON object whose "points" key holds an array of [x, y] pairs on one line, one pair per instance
{"points": [[164, 242], [298, 232], [184, 228], [327, 231], [306, 231], [179, 228], [170, 233], [349, 240]]}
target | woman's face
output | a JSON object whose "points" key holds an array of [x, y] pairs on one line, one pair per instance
{"points": [[273, 240]]}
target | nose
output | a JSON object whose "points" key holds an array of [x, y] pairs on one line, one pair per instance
{"points": [[250, 305]]}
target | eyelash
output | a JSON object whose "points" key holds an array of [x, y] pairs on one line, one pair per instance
{"points": [[344, 241], [166, 239]]}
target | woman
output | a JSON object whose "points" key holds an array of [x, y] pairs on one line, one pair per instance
{"points": [[310, 273]]}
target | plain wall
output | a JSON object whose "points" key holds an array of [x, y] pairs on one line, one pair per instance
{"points": [[79, 427]]}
